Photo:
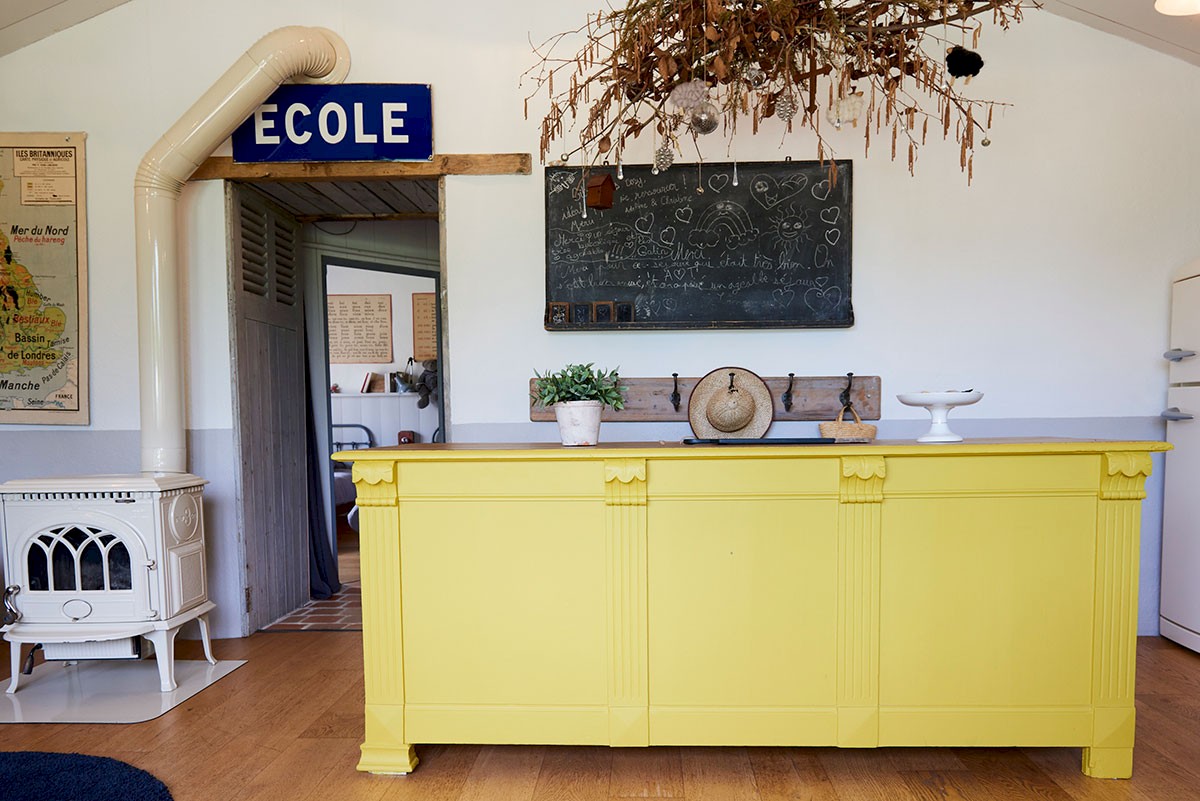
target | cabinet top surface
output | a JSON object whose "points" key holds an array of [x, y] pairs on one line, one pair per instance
{"points": [[471, 451]]}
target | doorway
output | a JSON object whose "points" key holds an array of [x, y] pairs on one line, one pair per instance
{"points": [[384, 360], [330, 239], [325, 192]]}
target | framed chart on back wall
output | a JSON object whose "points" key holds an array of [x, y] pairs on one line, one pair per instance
{"points": [[360, 329], [43, 279], [714, 245]]}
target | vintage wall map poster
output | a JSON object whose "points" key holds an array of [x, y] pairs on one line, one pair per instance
{"points": [[43, 279], [360, 329]]}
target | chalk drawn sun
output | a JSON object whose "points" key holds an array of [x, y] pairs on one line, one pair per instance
{"points": [[788, 230]]}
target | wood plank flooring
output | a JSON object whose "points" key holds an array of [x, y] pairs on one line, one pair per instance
{"points": [[287, 725]]}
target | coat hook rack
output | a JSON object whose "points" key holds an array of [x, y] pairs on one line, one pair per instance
{"points": [[845, 396], [664, 398]]}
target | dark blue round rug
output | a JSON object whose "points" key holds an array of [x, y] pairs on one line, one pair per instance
{"points": [[38, 776]]}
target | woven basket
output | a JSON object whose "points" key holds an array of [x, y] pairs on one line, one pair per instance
{"points": [[858, 431]]}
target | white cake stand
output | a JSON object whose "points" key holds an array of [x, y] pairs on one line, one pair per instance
{"points": [[939, 405]]}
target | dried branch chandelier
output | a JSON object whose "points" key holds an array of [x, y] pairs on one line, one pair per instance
{"points": [[679, 69]]}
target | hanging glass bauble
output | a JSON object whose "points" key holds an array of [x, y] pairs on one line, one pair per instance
{"points": [[785, 107], [755, 77], [705, 118], [664, 157]]}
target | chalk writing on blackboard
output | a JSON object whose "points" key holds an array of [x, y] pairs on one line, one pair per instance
{"points": [[695, 247]]}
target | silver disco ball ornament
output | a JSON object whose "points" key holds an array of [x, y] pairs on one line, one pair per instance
{"points": [[705, 118], [664, 157]]}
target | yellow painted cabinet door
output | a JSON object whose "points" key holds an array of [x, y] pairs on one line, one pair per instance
{"points": [[987, 592], [504, 606], [742, 604]]}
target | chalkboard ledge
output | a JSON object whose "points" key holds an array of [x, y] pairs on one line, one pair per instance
{"points": [[700, 325]]}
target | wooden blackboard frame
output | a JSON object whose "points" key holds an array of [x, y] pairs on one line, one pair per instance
{"points": [[813, 280]]}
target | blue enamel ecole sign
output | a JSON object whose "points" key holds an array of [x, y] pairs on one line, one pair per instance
{"points": [[339, 122]]}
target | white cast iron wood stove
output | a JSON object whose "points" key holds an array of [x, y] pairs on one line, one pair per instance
{"points": [[96, 562]]}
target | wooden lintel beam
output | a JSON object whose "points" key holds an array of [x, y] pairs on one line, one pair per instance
{"points": [[401, 215], [225, 168]]}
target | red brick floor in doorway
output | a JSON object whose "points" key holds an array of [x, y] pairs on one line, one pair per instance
{"points": [[342, 612]]}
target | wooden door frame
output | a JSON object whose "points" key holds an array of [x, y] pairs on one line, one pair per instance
{"points": [[223, 168]]}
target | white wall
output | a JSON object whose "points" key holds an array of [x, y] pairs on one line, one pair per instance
{"points": [[356, 281], [1045, 284], [1050, 274]]}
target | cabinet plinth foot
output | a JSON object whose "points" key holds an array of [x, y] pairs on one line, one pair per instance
{"points": [[400, 759], [1108, 763]]}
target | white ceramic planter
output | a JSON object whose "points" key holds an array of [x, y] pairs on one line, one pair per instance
{"points": [[578, 421]]}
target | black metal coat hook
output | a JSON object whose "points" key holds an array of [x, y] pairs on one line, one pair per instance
{"points": [[675, 399], [845, 396], [787, 394]]}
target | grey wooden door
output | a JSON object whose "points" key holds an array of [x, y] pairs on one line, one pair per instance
{"points": [[269, 393]]}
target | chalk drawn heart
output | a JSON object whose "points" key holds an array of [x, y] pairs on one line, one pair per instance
{"points": [[821, 191], [822, 257], [718, 182], [822, 281], [769, 193], [667, 236], [680, 273], [783, 297], [831, 214], [823, 300], [684, 215], [644, 224], [833, 235]]}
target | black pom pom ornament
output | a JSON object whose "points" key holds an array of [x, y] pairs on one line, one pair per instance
{"points": [[963, 63]]}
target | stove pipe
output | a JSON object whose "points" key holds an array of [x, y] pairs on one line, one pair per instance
{"points": [[308, 55]]}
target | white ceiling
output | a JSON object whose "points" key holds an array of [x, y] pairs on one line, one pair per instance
{"points": [[1137, 21], [23, 22]]}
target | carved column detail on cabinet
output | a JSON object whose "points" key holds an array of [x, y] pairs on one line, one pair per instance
{"points": [[625, 535], [384, 749], [859, 527], [1122, 488]]}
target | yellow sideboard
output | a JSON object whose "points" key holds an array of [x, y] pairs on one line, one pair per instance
{"points": [[976, 594]]}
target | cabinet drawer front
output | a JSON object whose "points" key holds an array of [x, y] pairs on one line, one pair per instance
{"points": [[1070, 474], [750, 477], [501, 480]]}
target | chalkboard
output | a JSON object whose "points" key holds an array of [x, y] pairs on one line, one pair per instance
{"points": [[701, 246]]}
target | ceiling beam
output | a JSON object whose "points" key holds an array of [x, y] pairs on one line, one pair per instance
{"points": [[224, 167]]}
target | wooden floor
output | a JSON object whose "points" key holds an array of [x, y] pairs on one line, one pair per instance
{"points": [[287, 725]]}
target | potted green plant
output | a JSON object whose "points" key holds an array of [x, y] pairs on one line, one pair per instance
{"points": [[578, 393]]}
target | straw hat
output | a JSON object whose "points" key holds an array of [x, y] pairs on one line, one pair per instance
{"points": [[730, 402]]}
